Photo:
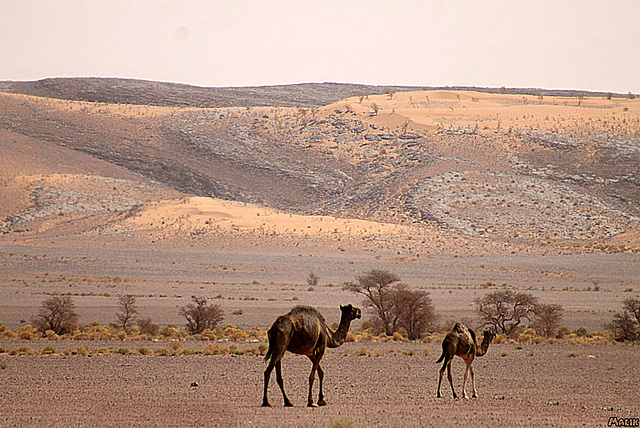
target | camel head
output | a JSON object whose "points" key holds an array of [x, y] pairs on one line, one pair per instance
{"points": [[489, 335], [350, 312]]}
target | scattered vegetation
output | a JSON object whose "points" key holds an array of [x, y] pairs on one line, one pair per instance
{"points": [[127, 311], [200, 315], [395, 307], [505, 310], [57, 313], [626, 324]]}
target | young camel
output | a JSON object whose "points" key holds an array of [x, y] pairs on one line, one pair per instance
{"points": [[304, 331], [461, 341]]}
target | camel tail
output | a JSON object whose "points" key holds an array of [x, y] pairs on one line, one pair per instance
{"points": [[272, 341], [441, 358]]}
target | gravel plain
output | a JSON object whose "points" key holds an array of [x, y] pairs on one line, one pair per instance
{"points": [[366, 384]]}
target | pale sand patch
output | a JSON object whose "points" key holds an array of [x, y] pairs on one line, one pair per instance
{"points": [[442, 109], [198, 212]]}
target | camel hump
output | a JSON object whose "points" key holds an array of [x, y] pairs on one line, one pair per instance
{"points": [[460, 328], [306, 311]]}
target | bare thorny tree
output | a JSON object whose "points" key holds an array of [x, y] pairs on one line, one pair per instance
{"points": [[57, 313], [506, 310], [394, 306], [200, 315], [127, 311]]}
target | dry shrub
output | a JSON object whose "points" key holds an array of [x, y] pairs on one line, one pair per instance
{"points": [[397, 337], [240, 335], [500, 339], [525, 338], [363, 352], [163, 352], [350, 338], [367, 337], [262, 348], [51, 335], [382, 352], [143, 350], [48, 350], [171, 332], [6, 333], [83, 350], [257, 333], [207, 334], [147, 326], [215, 349], [26, 335], [23, 350], [81, 336], [251, 351]]}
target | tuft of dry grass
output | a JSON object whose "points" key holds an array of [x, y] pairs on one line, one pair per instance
{"points": [[363, 352]]}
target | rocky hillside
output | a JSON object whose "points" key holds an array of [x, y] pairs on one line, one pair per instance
{"points": [[537, 169]]}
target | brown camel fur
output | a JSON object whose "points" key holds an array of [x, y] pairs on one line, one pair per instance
{"points": [[461, 341], [304, 331]]}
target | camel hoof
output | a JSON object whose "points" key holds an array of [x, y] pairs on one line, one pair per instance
{"points": [[266, 404], [288, 405], [322, 403]]}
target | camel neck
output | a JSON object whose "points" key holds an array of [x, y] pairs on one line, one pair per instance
{"points": [[337, 338], [484, 347]]}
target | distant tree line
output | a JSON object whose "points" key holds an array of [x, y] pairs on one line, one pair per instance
{"points": [[394, 307], [58, 314]]}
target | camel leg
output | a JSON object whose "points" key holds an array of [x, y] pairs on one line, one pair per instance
{"points": [[442, 369], [267, 376], [311, 379], [473, 382], [287, 403], [455, 396], [321, 401], [464, 382]]}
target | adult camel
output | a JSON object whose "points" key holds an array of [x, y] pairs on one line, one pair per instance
{"points": [[304, 331], [461, 341]]}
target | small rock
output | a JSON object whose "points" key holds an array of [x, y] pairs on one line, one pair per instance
{"points": [[498, 397], [194, 384]]}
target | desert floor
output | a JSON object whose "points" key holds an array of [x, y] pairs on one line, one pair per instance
{"points": [[366, 384]]}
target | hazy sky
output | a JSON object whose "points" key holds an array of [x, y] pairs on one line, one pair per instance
{"points": [[573, 44]]}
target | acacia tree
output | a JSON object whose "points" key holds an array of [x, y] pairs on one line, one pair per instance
{"points": [[376, 286], [505, 310], [626, 324], [547, 318], [413, 310], [200, 315], [57, 313], [127, 310]]}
